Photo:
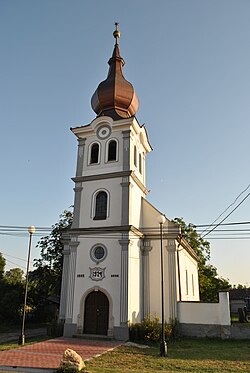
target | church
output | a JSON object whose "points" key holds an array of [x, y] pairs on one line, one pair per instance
{"points": [[112, 251]]}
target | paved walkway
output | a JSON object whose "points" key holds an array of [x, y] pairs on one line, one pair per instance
{"points": [[48, 354]]}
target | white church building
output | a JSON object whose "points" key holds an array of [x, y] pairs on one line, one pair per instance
{"points": [[111, 270]]}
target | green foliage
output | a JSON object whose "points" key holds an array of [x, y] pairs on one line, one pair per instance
{"points": [[2, 265], [209, 280], [11, 290], [198, 244], [149, 330], [10, 301], [51, 246], [68, 370], [55, 330], [211, 283], [45, 280], [14, 276]]}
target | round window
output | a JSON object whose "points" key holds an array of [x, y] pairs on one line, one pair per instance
{"points": [[98, 253]]}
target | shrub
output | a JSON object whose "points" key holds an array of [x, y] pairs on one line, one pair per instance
{"points": [[55, 330], [68, 370], [149, 330]]}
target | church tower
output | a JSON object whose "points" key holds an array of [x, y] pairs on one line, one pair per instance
{"points": [[101, 275]]}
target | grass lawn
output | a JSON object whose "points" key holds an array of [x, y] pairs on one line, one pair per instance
{"points": [[186, 355], [14, 344]]}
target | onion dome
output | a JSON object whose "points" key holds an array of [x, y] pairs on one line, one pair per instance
{"points": [[115, 96]]}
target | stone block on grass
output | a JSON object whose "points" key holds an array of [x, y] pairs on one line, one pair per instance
{"points": [[71, 359]]}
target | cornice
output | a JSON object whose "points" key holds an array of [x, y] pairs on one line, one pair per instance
{"points": [[103, 230], [112, 175]]}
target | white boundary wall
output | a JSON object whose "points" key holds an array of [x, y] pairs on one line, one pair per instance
{"points": [[205, 313]]}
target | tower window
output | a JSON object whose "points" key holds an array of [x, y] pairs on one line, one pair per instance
{"points": [[112, 151], [94, 154], [101, 204], [135, 156], [140, 164]]}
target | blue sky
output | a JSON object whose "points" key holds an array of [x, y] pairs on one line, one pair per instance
{"points": [[189, 63]]}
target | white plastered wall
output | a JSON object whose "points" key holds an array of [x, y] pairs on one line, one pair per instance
{"points": [[109, 285], [189, 282], [113, 187]]}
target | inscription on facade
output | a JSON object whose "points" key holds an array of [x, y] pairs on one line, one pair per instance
{"points": [[97, 273]]}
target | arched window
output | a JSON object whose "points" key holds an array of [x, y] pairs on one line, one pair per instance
{"points": [[94, 153], [140, 164], [135, 156], [112, 151], [101, 206]]}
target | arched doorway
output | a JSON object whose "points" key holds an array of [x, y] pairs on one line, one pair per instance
{"points": [[96, 313]]}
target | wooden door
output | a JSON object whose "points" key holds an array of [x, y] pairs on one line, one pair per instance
{"points": [[96, 313]]}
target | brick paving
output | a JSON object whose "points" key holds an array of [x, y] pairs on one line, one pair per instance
{"points": [[48, 354]]}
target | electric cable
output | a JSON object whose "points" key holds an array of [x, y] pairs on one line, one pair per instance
{"points": [[211, 230], [236, 199]]}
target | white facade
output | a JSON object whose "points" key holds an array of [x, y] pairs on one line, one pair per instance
{"points": [[111, 272]]}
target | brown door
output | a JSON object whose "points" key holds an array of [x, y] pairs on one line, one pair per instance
{"points": [[96, 313]]}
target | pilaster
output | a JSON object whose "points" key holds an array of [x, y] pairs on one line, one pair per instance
{"points": [[126, 150], [125, 201], [78, 186], [64, 285], [71, 280], [172, 288], [124, 282], [145, 249], [80, 156], [77, 205]]}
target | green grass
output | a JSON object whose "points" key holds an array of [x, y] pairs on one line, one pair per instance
{"points": [[9, 328], [14, 344], [186, 355]]}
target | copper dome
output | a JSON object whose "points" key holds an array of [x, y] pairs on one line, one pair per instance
{"points": [[115, 96]]}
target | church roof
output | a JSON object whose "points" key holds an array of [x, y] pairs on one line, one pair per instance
{"points": [[115, 96]]}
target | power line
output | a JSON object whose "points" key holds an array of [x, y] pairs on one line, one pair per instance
{"points": [[18, 265], [236, 199], [11, 256], [206, 225], [211, 230], [25, 228]]}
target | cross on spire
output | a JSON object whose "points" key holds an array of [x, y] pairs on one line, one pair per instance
{"points": [[116, 33]]}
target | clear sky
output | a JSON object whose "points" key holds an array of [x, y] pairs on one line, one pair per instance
{"points": [[189, 63]]}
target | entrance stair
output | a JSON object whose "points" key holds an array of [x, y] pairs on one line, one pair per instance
{"points": [[94, 337]]}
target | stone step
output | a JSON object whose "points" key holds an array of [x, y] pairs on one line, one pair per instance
{"points": [[94, 337]]}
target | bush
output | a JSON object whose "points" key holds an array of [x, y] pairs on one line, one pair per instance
{"points": [[55, 330], [68, 370], [149, 330]]}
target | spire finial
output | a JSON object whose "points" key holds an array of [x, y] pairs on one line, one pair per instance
{"points": [[116, 33]]}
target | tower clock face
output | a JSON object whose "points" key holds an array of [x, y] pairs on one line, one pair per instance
{"points": [[103, 132]]}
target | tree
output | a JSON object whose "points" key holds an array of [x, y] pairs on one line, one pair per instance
{"points": [[209, 280], [14, 276], [2, 265], [49, 266], [11, 290]]}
